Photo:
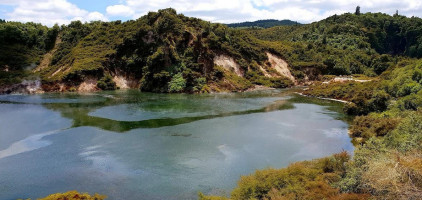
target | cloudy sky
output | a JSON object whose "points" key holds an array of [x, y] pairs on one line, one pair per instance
{"points": [[49, 12]]}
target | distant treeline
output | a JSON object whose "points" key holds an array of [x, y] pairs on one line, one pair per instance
{"points": [[268, 23]]}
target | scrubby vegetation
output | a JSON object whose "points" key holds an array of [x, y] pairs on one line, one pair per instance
{"points": [[387, 161], [388, 167], [387, 164], [302, 180], [106, 83], [73, 195]]}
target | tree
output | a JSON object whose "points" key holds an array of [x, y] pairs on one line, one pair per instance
{"points": [[324, 39], [177, 83], [106, 83], [51, 37], [357, 12]]}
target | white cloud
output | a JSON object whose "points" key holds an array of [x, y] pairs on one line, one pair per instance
{"points": [[120, 10], [49, 12], [224, 11], [306, 11], [95, 16]]}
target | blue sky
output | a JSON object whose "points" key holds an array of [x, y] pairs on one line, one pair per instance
{"points": [[94, 5], [50, 12]]}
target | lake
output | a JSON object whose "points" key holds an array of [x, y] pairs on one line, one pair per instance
{"points": [[132, 145]]}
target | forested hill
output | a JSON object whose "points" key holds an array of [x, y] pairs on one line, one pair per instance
{"points": [[160, 52], [168, 52], [268, 23], [395, 35], [349, 43]]}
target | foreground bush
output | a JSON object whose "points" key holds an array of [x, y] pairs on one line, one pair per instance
{"points": [[302, 180], [73, 195], [365, 127]]}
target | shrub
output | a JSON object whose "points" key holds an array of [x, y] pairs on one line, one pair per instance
{"points": [[106, 83], [177, 83], [73, 195], [302, 180], [408, 135], [411, 102], [365, 127]]}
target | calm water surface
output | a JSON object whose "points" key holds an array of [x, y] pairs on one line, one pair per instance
{"points": [[133, 145]]}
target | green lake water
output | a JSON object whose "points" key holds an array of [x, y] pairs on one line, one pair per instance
{"points": [[132, 145]]}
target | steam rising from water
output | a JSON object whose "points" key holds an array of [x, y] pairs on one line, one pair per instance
{"points": [[32, 86]]}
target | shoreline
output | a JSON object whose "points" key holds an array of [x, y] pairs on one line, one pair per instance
{"points": [[25, 89], [323, 98]]}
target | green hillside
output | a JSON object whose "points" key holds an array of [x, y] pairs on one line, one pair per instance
{"points": [[22, 47], [168, 52], [351, 44], [162, 51], [267, 23]]}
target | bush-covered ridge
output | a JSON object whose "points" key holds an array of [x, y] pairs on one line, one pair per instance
{"points": [[267, 23], [73, 195], [161, 46], [349, 44], [157, 50]]}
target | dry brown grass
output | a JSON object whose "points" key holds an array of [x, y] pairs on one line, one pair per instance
{"points": [[395, 176]]}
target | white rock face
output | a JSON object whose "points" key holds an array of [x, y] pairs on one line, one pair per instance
{"points": [[280, 65], [88, 85], [121, 82], [228, 63]]}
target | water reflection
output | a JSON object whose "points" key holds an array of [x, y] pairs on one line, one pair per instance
{"points": [[160, 111], [28, 144]]}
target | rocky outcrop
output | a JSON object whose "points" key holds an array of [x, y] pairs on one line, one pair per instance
{"points": [[124, 82], [229, 64], [280, 65], [88, 85]]}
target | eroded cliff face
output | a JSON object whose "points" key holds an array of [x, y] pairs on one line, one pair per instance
{"points": [[273, 67], [280, 65], [276, 67], [88, 85], [228, 63], [125, 81]]}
